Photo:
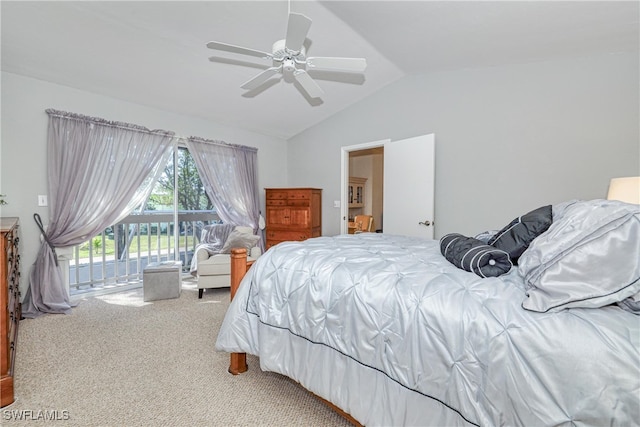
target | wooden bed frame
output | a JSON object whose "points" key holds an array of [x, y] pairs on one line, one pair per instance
{"points": [[238, 361]]}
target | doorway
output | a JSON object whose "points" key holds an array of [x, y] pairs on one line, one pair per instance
{"points": [[405, 185], [359, 160], [366, 183]]}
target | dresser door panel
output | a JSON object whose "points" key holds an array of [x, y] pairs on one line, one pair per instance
{"points": [[277, 216], [299, 217]]}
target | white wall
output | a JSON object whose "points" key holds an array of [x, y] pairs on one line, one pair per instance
{"points": [[23, 160], [508, 139]]}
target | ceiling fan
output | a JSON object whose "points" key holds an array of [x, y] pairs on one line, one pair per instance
{"points": [[289, 58]]}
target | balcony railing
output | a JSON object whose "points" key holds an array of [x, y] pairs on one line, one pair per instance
{"points": [[118, 255]]}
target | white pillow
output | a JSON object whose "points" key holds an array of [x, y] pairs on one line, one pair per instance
{"points": [[238, 238], [589, 258], [244, 229]]}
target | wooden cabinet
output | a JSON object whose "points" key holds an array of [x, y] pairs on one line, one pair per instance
{"points": [[356, 192], [356, 196], [9, 304], [293, 214]]}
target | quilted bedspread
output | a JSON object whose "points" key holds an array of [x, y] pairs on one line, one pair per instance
{"points": [[398, 310]]}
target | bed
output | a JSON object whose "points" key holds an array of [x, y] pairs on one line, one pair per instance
{"points": [[387, 329]]}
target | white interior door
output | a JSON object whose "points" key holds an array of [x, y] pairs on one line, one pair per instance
{"points": [[409, 186]]}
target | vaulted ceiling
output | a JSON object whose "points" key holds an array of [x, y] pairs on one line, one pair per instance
{"points": [[154, 53]]}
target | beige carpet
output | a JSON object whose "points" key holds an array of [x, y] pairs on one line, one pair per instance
{"points": [[118, 361]]}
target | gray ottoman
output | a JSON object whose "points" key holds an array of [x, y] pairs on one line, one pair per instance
{"points": [[162, 280]]}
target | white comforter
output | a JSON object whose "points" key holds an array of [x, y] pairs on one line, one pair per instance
{"points": [[386, 328]]}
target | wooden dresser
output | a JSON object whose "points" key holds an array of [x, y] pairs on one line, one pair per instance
{"points": [[293, 214], [9, 304]]}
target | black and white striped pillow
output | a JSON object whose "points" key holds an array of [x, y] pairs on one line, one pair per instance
{"points": [[475, 256]]}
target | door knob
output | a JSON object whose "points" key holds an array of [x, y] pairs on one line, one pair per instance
{"points": [[426, 223]]}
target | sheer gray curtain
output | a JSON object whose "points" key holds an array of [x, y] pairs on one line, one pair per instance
{"points": [[98, 172], [229, 174]]}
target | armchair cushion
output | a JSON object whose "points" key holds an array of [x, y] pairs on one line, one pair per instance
{"points": [[215, 265]]}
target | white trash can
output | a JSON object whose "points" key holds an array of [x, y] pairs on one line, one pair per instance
{"points": [[162, 280]]}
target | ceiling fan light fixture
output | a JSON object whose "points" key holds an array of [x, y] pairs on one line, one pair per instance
{"points": [[288, 65]]}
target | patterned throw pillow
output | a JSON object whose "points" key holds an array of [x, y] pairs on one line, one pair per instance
{"points": [[474, 255]]}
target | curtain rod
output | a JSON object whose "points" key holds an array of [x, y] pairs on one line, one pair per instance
{"points": [[98, 120], [182, 139], [123, 125]]}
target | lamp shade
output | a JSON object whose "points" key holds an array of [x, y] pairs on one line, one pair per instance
{"points": [[625, 189]]}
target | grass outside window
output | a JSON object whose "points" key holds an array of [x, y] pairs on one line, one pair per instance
{"points": [[109, 245]]}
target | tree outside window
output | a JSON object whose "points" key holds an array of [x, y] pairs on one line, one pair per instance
{"points": [[191, 198], [191, 193]]}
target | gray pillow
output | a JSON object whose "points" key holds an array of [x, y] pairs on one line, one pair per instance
{"points": [[589, 258], [485, 235], [470, 254], [239, 239], [516, 236]]}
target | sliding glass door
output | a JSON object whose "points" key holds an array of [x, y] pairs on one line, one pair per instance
{"points": [[166, 226]]}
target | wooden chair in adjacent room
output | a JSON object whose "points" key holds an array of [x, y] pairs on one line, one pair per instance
{"points": [[364, 223]]}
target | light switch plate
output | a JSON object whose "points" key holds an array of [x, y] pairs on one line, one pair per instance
{"points": [[42, 200], [336, 203]]}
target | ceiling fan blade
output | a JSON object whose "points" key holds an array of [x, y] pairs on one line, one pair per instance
{"points": [[261, 78], [308, 84], [297, 29], [354, 65], [231, 61], [238, 49]]}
